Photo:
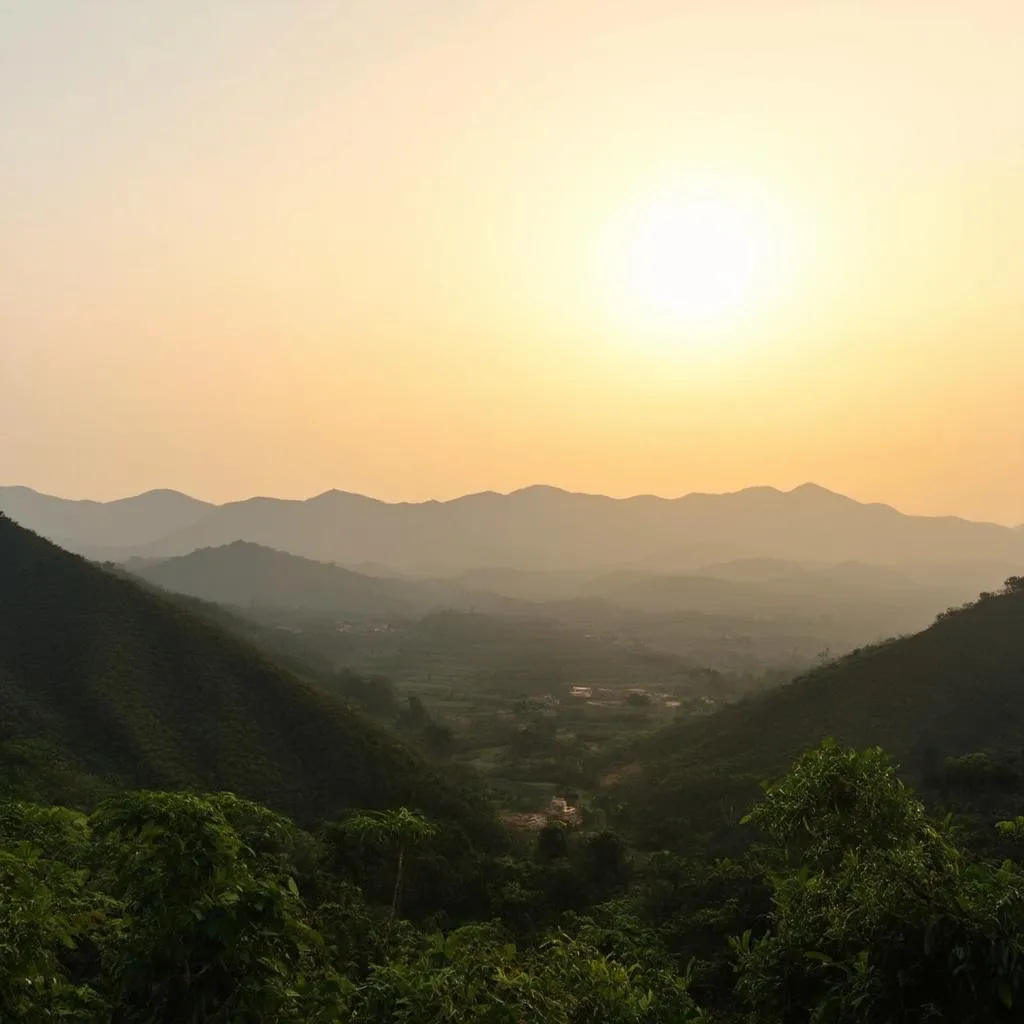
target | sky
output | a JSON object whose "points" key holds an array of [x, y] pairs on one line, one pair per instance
{"points": [[416, 249]]}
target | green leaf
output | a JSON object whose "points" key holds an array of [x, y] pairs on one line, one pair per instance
{"points": [[813, 954]]}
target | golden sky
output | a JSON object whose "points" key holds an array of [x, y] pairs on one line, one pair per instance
{"points": [[277, 246]]}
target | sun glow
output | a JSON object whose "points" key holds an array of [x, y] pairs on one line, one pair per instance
{"points": [[699, 263]]}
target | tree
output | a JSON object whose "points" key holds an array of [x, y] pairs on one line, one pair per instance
{"points": [[212, 928], [552, 842], [42, 915], [605, 864], [415, 715], [878, 914], [439, 739], [977, 773], [835, 800], [374, 694], [399, 829], [477, 974]]}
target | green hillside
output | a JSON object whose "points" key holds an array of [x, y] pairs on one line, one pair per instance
{"points": [[955, 688], [126, 685]]}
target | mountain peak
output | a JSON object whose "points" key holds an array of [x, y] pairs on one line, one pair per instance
{"points": [[158, 494], [540, 489], [812, 489], [336, 496]]}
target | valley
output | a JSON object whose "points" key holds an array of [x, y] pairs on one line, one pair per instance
{"points": [[511, 513], [571, 766]]}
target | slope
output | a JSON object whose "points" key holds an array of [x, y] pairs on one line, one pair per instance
{"points": [[954, 688], [246, 574], [250, 576], [132, 687]]}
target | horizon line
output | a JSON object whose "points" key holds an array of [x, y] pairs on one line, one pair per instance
{"points": [[807, 486]]}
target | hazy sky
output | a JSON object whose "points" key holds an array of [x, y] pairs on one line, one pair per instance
{"points": [[277, 246]]}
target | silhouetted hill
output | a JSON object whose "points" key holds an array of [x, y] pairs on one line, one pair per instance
{"points": [[250, 576], [845, 605], [128, 685], [93, 525], [956, 687], [246, 574], [545, 528]]}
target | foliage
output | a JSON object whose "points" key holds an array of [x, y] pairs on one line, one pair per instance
{"points": [[878, 913], [694, 905], [373, 694], [606, 865], [41, 914], [162, 906], [196, 914], [210, 927], [399, 828], [476, 974]]}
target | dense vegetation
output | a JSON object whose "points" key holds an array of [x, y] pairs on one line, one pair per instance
{"points": [[857, 907], [149, 755], [103, 680]]}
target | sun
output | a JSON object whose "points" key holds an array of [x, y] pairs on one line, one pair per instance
{"points": [[699, 263]]}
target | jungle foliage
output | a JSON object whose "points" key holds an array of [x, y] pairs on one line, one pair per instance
{"points": [[855, 906]]}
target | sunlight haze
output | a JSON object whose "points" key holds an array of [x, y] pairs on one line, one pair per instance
{"points": [[417, 249]]}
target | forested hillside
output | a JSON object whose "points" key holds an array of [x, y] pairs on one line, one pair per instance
{"points": [[127, 686], [953, 689]]}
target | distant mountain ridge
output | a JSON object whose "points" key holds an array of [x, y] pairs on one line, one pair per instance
{"points": [[535, 528], [125, 523], [244, 574], [869, 601]]}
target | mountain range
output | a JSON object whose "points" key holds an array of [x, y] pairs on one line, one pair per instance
{"points": [[538, 528], [870, 600]]}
